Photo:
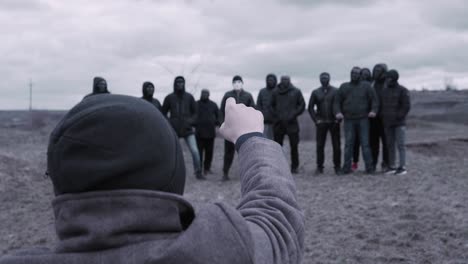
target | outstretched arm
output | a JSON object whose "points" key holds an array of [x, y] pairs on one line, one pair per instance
{"points": [[268, 192]]}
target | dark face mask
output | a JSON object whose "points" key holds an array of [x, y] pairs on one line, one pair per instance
{"points": [[101, 86], [271, 82], [149, 91], [392, 78], [285, 82], [205, 96], [355, 75], [325, 80], [179, 86], [392, 82], [379, 74], [365, 75]]}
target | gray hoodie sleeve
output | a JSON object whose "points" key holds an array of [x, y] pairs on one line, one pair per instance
{"points": [[269, 203]]}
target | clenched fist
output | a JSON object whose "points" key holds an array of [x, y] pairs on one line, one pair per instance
{"points": [[239, 120]]}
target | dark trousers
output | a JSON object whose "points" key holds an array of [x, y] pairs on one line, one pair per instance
{"points": [[293, 143], [229, 150], [377, 135], [205, 146], [350, 126], [357, 146], [322, 131]]}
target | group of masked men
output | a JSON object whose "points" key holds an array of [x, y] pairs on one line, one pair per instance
{"points": [[372, 106]]}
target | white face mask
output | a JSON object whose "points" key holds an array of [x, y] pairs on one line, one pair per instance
{"points": [[237, 85]]}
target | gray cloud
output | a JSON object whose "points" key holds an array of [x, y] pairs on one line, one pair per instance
{"points": [[308, 3], [23, 5], [449, 14], [62, 46]]}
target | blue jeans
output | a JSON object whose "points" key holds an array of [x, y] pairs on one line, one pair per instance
{"points": [[396, 137], [268, 131], [192, 145], [351, 126]]}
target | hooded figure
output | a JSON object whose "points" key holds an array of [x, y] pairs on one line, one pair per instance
{"points": [[242, 97], [377, 131], [366, 75], [264, 104], [148, 92], [182, 110], [119, 195], [264, 98], [356, 102], [396, 105], [208, 120], [287, 104], [325, 122], [99, 86]]}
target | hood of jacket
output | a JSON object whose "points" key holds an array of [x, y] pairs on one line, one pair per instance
{"points": [[174, 85], [108, 219], [96, 80], [146, 94], [111, 142]]}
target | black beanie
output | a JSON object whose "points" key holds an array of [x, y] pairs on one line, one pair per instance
{"points": [[393, 74], [96, 80], [110, 142], [237, 78]]}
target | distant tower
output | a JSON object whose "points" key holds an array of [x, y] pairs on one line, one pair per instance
{"points": [[30, 94]]}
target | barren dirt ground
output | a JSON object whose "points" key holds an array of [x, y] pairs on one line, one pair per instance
{"points": [[421, 217]]}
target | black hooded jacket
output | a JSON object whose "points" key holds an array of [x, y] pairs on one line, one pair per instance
{"points": [[323, 98], [208, 119], [183, 111], [96, 80], [264, 102], [242, 97], [287, 104], [149, 97], [379, 84], [356, 100], [396, 104]]}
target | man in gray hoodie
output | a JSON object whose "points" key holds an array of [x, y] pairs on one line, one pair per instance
{"points": [[119, 194]]}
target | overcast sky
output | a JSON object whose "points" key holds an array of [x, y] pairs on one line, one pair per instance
{"points": [[62, 44]]}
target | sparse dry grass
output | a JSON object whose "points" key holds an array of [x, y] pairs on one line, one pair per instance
{"points": [[421, 217]]}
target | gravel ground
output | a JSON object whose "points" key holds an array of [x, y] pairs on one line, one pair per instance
{"points": [[421, 217]]}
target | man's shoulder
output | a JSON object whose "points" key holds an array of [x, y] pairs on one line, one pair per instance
{"points": [[170, 96], [297, 89], [228, 94], [404, 89], [316, 90], [212, 103], [245, 93], [344, 85], [189, 96]]}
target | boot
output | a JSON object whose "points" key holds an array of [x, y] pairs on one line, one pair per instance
{"points": [[200, 176], [225, 176]]}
